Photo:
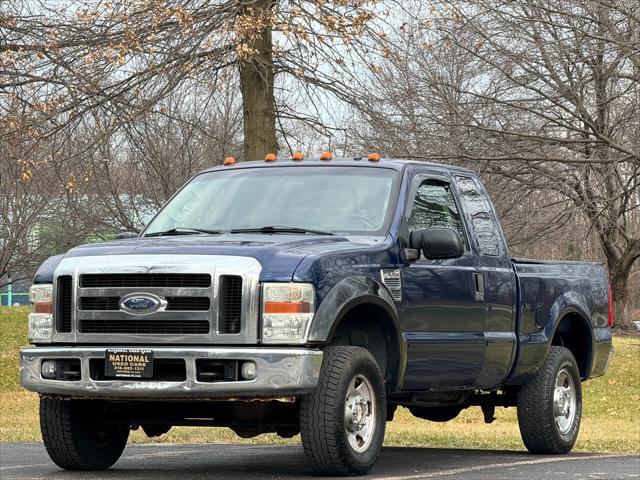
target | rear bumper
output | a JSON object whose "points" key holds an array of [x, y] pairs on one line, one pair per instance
{"points": [[280, 372], [602, 358], [602, 353]]}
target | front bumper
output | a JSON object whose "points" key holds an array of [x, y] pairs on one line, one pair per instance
{"points": [[281, 372]]}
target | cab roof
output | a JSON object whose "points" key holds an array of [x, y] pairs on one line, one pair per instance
{"points": [[397, 164]]}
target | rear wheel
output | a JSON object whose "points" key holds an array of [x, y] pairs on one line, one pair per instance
{"points": [[342, 422], [82, 434], [550, 405]]}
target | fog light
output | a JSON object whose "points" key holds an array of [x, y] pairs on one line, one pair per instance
{"points": [[249, 371], [48, 369]]}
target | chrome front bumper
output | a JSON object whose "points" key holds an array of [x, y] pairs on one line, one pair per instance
{"points": [[280, 372]]}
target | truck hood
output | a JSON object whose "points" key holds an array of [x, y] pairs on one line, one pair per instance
{"points": [[279, 254]]}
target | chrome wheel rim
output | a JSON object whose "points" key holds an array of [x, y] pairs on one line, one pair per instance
{"points": [[360, 413], [564, 401]]}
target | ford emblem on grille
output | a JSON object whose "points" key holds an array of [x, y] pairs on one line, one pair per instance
{"points": [[141, 303]]}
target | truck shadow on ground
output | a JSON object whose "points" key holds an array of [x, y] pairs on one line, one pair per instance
{"points": [[252, 461]]}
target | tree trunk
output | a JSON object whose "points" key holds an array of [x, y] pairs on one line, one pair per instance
{"points": [[256, 83], [619, 272], [620, 291]]}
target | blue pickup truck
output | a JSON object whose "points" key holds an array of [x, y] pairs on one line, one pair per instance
{"points": [[313, 297]]}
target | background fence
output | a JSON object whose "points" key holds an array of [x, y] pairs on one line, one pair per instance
{"points": [[10, 297]]}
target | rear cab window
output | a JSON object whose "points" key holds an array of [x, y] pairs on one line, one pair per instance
{"points": [[487, 232]]}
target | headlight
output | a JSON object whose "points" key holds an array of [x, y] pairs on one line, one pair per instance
{"points": [[41, 298], [41, 318], [287, 311]]}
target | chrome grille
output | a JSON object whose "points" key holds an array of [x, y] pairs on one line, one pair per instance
{"points": [[137, 280], [99, 303], [64, 303], [206, 299], [146, 327], [185, 304], [230, 304], [197, 304]]}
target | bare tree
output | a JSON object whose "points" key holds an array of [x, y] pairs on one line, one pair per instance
{"points": [[20, 205], [86, 181], [67, 59], [36, 202], [544, 95], [135, 171]]}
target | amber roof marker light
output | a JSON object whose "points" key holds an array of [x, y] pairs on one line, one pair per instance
{"points": [[374, 157], [297, 156], [270, 157], [326, 156], [229, 161]]}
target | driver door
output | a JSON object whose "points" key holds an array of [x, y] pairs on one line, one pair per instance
{"points": [[444, 308]]}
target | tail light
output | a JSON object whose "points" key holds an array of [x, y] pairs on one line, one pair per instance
{"points": [[610, 307]]}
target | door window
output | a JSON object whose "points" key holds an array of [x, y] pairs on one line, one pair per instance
{"points": [[434, 206]]}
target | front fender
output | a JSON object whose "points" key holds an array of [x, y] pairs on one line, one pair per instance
{"points": [[344, 296]]}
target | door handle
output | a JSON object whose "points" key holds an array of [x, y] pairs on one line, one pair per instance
{"points": [[478, 281]]}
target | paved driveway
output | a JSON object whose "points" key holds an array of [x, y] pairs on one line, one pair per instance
{"points": [[159, 462]]}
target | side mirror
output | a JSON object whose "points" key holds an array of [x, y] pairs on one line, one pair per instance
{"points": [[437, 242]]}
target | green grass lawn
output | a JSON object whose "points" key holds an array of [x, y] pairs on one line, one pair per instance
{"points": [[611, 419]]}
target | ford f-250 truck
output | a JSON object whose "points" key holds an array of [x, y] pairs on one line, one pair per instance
{"points": [[312, 297]]}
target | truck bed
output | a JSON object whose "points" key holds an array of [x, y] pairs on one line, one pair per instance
{"points": [[550, 290]]}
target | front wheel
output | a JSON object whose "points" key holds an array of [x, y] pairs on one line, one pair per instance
{"points": [[550, 405], [82, 434], [342, 422]]}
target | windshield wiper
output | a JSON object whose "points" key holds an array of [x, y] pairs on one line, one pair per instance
{"points": [[183, 231], [276, 229]]}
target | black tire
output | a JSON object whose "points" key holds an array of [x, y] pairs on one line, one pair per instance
{"points": [[536, 418], [323, 426], [436, 414], [82, 434]]}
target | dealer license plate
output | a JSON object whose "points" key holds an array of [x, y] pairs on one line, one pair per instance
{"points": [[128, 363]]}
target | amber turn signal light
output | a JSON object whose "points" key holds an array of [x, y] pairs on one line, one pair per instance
{"points": [[229, 161], [326, 156], [287, 307], [270, 157], [42, 308]]}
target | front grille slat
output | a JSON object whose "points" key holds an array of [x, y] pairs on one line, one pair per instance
{"points": [[142, 280], [99, 303], [195, 304], [150, 327], [230, 304], [191, 304], [64, 300]]}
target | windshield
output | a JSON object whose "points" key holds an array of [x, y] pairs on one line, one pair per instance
{"points": [[327, 198]]}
